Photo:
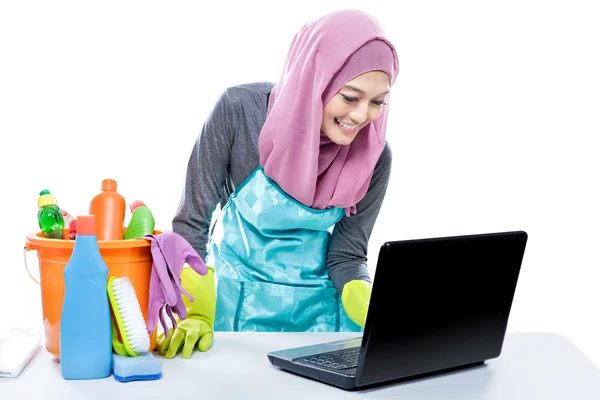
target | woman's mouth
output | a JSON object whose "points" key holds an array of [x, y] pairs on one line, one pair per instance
{"points": [[346, 128]]}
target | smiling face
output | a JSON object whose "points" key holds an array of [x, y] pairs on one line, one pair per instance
{"points": [[358, 103]]}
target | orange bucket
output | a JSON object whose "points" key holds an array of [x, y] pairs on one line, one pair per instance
{"points": [[130, 258]]}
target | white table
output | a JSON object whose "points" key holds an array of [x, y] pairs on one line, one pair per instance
{"points": [[532, 366]]}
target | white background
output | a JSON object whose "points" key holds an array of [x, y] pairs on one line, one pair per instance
{"points": [[492, 124]]}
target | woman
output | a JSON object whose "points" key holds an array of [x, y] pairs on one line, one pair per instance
{"points": [[300, 169]]}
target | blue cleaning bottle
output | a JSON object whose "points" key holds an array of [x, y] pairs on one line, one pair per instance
{"points": [[85, 324]]}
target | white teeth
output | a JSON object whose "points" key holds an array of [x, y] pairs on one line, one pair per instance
{"points": [[344, 125]]}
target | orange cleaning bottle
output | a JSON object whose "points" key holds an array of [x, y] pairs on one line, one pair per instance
{"points": [[109, 209]]}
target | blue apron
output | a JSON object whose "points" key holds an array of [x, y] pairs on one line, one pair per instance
{"points": [[268, 251]]}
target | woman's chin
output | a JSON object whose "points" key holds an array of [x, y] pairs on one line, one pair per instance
{"points": [[339, 137]]}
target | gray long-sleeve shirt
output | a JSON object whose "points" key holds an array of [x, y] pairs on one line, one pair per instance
{"points": [[226, 153]]}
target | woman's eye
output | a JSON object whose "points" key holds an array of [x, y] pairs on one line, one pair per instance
{"points": [[349, 99], [379, 102]]}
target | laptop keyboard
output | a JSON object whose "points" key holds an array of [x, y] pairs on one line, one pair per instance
{"points": [[341, 359]]}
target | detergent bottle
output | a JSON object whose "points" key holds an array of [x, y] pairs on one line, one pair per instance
{"points": [[109, 209], [49, 216], [85, 324], [141, 223], [73, 229]]}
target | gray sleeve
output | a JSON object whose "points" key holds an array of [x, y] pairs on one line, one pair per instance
{"points": [[205, 177], [347, 252]]}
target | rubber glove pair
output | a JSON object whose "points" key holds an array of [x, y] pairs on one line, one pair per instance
{"points": [[356, 296], [196, 330]]}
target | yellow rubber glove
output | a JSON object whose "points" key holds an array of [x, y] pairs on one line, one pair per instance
{"points": [[197, 327], [356, 296]]}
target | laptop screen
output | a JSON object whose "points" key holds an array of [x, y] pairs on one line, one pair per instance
{"points": [[439, 303]]}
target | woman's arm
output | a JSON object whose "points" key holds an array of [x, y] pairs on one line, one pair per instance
{"points": [[347, 253], [207, 170]]}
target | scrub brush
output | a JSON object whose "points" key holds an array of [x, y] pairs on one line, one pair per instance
{"points": [[130, 320]]}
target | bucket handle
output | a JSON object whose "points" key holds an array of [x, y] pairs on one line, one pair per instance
{"points": [[27, 266]]}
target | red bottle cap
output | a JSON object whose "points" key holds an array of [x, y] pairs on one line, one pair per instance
{"points": [[86, 225], [135, 204]]}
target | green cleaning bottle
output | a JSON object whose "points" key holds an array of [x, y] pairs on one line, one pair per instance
{"points": [[50, 216], [141, 223]]}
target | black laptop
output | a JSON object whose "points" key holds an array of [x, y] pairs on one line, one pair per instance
{"points": [[438, 305]]}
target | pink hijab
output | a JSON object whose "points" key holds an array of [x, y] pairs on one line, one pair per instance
{"points": [[324, 55]]}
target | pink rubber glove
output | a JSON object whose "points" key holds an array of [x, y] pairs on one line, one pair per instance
{"points": [[170, 252]]}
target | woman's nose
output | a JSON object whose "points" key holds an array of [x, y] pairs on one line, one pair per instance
{"points": [[359, 114]]}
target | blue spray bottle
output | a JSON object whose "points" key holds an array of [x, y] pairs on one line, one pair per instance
{"points": [[85, 325]]}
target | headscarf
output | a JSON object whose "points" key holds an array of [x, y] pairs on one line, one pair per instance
{"points": [[323, 56]]}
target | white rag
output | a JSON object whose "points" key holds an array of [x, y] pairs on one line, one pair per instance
{"points": [[17, 348]]}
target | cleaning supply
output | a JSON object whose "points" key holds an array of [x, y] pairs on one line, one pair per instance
{"points": [[130, 258], [85, 324], [66, 216], [146, 367], [170, 252], [130, 324], [109, 208], [141, 223], [18, 346], [73, 229], [49, 215]]}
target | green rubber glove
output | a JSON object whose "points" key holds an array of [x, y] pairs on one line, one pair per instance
{"points": [[196, 330], [356, 296]]}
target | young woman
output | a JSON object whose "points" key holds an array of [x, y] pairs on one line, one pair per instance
{"points": [[300, 169]]}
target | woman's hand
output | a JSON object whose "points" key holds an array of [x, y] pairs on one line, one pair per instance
{"points": [[356, 296], [196, 330]]}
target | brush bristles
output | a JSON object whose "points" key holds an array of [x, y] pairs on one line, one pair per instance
{"points": [[136, 333]]}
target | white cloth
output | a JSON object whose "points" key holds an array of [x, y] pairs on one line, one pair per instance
{"points": [[17, 348]]}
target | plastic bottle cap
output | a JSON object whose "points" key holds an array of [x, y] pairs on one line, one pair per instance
{"points": [[45, 199], [135, 204], [109, 185], [86, 225]]}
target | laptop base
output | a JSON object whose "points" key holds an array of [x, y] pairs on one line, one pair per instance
{"points": [[342, 381], [348, 381]]}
